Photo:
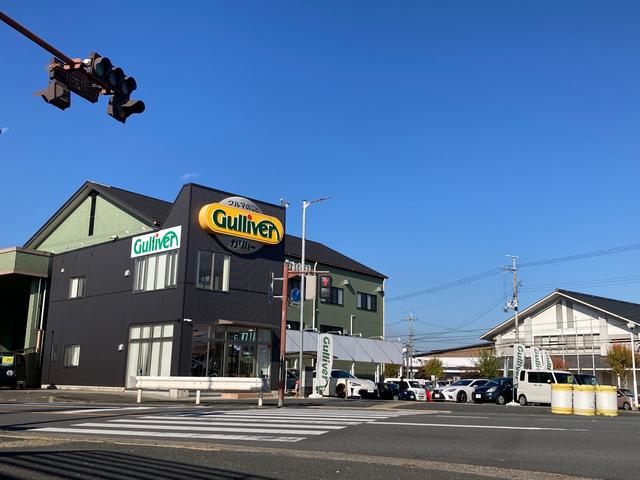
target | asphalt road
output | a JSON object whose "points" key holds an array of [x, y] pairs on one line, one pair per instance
{"points": [[348, 439]]}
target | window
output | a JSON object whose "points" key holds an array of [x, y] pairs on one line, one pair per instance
{"points": [[330, 328], [213, 271], [534, 377], [337, 297], [71, 355], [155, 272], [76, 287], [150, 350], [367, 302]]}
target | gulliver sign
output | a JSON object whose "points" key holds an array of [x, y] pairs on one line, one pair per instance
{"points": [[240, 224], [156, 242]]}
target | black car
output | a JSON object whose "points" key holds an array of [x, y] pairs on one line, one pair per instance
{"points": [[391, 391], [584, 379], [498, 390], [12, 371]]}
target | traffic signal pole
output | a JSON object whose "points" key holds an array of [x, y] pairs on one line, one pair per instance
{"points": [[37, 40], [88, 78]]}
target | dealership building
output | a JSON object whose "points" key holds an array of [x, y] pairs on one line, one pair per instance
{"points": [[117, 284]]}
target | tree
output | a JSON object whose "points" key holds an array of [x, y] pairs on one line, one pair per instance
{"points": [[487, 364], [559, 363], [619, 359], [391, 370], [432, 367]]}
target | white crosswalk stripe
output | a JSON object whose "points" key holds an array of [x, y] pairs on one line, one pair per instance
{"points": [[259, 425]]}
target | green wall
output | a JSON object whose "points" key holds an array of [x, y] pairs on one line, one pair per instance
{"points": [[73, 232], [369, 324]]}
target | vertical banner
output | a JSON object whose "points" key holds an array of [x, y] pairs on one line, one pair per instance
{"points": [[538, 361], [324, 364], [548, 361], [518, 361]]}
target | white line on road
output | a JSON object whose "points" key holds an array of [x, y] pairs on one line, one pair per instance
{"points": [[460, 416], [282, 431], [100, 410], [215, 418], [201, 436], [224, 424], [495, 427]]}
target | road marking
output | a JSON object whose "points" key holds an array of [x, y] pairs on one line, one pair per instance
{"points": [[224, 424], [460, 416], [238, 421], [100, 410], [200, 436], [231, 424], [282, 431], [493, 427], [284, 419]]}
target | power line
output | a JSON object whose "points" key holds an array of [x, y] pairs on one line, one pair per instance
{"points": [[495, 271]]}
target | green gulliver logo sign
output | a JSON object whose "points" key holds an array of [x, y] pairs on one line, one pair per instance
{"points": [[325, 364], [156, 242]]}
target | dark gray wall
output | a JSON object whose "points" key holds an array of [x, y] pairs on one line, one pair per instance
{"points": [[100, 321]]}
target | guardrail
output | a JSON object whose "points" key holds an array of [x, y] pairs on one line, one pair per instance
{"points": [[199, 384]]}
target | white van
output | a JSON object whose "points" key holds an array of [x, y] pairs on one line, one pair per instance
{"points": [[534, 386], [412, 385]]}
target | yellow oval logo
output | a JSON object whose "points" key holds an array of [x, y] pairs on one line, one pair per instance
{"points": [[241, 223]]}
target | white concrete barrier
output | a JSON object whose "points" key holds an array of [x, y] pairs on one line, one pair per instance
{"points": [[199, 384], [584, 400], [561, 398], [607, 400]]}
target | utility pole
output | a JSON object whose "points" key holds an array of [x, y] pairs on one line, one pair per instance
{"points": [[410, 319], [512, 305]]}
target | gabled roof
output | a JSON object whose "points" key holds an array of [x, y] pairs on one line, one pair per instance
{"points": [[317, 252], [148, 210], [475, 346], [626, 311]]}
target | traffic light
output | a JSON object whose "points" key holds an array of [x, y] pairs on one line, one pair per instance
{"points": [[57, 94], [325, 287], [120, 106]]}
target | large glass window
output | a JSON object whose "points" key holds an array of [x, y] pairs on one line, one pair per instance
{"points": [[366, 301], [231, 352], [156, 272], [213, 271], [150, 348]]}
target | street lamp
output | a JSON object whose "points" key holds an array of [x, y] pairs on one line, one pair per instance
{"points": [[632, 327], [305, 205]]}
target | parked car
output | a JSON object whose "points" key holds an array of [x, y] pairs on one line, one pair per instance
{"points": [[462, 390], [357, 386], [392, 391], [499, 390], [12, 370], [584, 379], [534, 386], [413, 385], [625, 399]]}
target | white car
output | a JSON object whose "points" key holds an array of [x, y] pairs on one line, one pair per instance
{"points": [[357, 386], [412, 385], [462, 390]]}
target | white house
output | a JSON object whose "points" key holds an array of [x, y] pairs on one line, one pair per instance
{"points": [[575, 327]]}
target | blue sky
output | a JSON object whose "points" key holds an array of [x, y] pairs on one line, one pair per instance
{"points": [[449, 134]]}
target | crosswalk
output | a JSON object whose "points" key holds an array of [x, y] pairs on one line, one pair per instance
{"points": [[260, 425]]}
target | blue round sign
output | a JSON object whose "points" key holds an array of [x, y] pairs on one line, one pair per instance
{"points": [[295, 294]]}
